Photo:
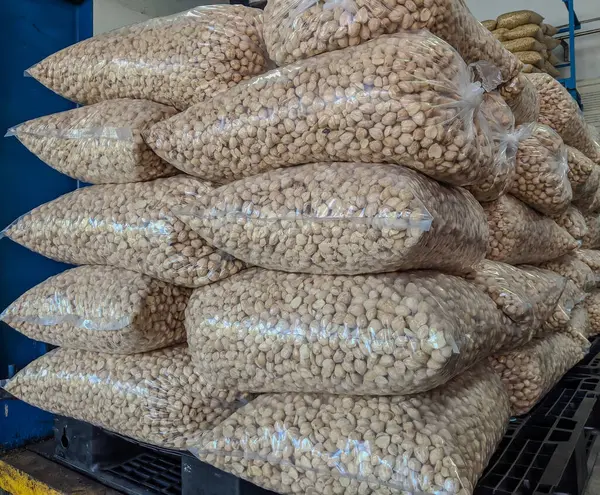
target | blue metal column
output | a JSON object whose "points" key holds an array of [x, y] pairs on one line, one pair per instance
{"points": [[570, 82], [30, 30]]}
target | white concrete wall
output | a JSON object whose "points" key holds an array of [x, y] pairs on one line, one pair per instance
{"points": [[587, 47], [113, 14]]}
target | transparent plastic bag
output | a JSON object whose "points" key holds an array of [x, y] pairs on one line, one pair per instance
{"points": [[573, 222], [595, 205], [579, 324], [177, 60], [398, 333], [570, 267], [569, 299], [405, 99], [530, 372], [505, 141], [512, 20], [103, 309], [342, 218], [522, 98], [592, 239], [524, 45], [437, 442], [300, 29], [520, 235], [130, 226], [100, 143], [154, 397], [559, 110], [525, 31], [584, 176], [591, 258], [527, 296], [592, 305], [542, 180]]}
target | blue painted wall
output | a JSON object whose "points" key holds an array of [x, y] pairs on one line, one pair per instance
{"points": [[30, 30]]}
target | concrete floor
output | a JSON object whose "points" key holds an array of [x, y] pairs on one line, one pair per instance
{"points": [[593, 487]]}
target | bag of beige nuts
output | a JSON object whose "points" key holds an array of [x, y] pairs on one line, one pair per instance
{"points": [[592, 305], [154, 397], [130, 226], [177, 60], [406, 99], [522, 98], [530, 372], [560, 111], [342, 218], [527, 295], [436, 442], [299, 29], [568, 301], [584, 176], [570, 267], [103, 309], [542, 171], [398, 333], [521, 235], [100, 143], [505, 144], [574, 223]]}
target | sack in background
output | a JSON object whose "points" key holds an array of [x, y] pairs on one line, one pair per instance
{"points": [[530, 372], [520, 235]]}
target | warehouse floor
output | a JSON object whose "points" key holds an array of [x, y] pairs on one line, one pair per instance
{"points": [[593, 487]]}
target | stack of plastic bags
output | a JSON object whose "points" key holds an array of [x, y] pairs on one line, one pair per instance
{"points": [[532, 41], [365, 181]]}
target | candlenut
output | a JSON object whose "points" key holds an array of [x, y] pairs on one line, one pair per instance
{"points": [[103, 309]]}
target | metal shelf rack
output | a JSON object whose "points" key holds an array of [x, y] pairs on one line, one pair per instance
{"points": [[570, 82]]}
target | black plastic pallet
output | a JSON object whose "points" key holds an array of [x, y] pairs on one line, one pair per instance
{"points": [[554, 447], [550, 450], [135, 468]]}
